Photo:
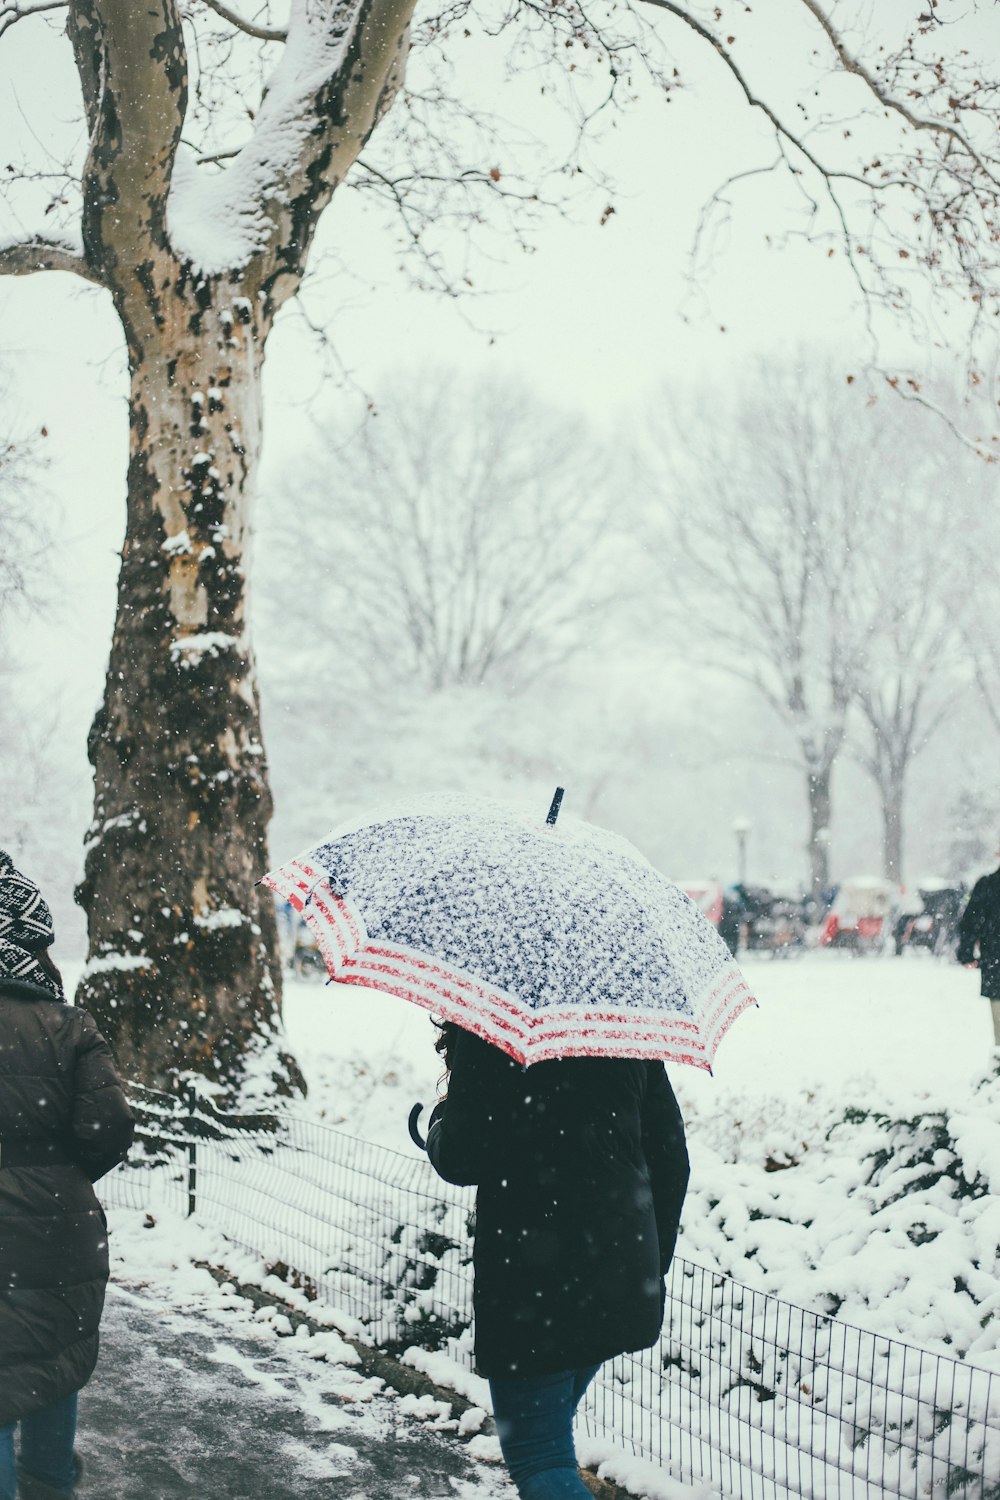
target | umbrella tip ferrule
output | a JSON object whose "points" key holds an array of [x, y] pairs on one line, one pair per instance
{"points": [[555, 805]]}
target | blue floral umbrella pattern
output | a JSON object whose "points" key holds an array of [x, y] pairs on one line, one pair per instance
{"points": [[546, 938]]}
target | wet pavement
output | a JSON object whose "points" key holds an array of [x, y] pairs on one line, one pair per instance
{"points": [[208, 1403]]}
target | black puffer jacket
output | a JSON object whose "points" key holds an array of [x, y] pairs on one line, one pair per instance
{"points": [[980, 930], [581, 1167], [58, 1091]]}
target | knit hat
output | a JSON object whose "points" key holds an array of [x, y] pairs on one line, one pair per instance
{"points": [[25, 928]]}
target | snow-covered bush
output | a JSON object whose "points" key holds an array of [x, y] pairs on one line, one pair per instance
{"points": [[889, 1222], [428, 1280]]}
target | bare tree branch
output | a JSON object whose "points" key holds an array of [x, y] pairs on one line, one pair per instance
{"points": [[29, 256], [783, 131], [852, 64], [262, 33], [12, 13], [912, 390], [932, 185], [987, 682]]}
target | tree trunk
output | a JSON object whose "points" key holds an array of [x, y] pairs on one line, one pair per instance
{"points": [[892, 790], [818, 780], [182, 975]]}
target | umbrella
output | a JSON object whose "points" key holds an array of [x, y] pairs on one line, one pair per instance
{"points": [[547, 938]]}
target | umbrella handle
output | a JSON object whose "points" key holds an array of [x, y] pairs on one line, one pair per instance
{"points": [[415, 1135]]}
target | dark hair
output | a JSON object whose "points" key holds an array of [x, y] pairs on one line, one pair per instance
{"points": [[45, 961], [445, 1044], [43, 958]]}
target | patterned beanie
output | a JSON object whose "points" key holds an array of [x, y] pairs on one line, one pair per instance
{"points": [[25, 928]]}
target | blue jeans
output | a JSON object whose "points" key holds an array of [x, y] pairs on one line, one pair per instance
{"points": [[535, 1426], [47, 1438]]}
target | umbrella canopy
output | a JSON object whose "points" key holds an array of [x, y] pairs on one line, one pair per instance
{"points": [[546, 939]]}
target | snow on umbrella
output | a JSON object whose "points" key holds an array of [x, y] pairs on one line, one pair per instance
{"points": [[548, 939]]}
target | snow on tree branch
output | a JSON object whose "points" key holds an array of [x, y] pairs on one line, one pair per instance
{"points": [[340, 65], [24, 258], [11, 14]]}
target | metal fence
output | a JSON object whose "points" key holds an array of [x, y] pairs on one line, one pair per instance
{"points": [[764, 1399]]}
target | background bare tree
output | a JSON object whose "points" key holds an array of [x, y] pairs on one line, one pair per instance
{"points": [[24, 520], [974, 822], [214, 143], [466, 549], [819, 547], [759, 503], [28, 773], [919, 594], [980, 541]]}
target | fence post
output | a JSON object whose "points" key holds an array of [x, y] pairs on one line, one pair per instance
{"points": [[191, 1099]]}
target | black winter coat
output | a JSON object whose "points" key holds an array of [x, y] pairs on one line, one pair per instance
{"points": [[58, 1091], [980, 926], [581, 1168]]}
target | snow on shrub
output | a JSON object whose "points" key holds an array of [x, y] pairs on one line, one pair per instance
{"points": [[891, 1222]]}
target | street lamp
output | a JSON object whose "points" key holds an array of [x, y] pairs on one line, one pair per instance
{"points": [[741, 828]]}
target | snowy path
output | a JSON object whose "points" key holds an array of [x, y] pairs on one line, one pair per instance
{"points": [[207, 1403]]}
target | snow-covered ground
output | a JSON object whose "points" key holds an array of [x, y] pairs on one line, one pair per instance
{"points": [[199, 1392], [896, 1033]]}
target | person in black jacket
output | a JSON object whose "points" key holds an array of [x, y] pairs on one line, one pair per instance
{"points": [[979, 940], [64, 1122], [581, 1168]]}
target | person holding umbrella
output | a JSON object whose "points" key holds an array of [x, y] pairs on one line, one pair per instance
{"points": [[581, 1169], [566, 970], [64, 1122]]}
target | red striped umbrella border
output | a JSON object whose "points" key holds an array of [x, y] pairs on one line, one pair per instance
{"points": [[492, 1013]]}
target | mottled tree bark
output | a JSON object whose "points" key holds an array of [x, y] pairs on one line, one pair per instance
{"points": [[182, 974]]}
